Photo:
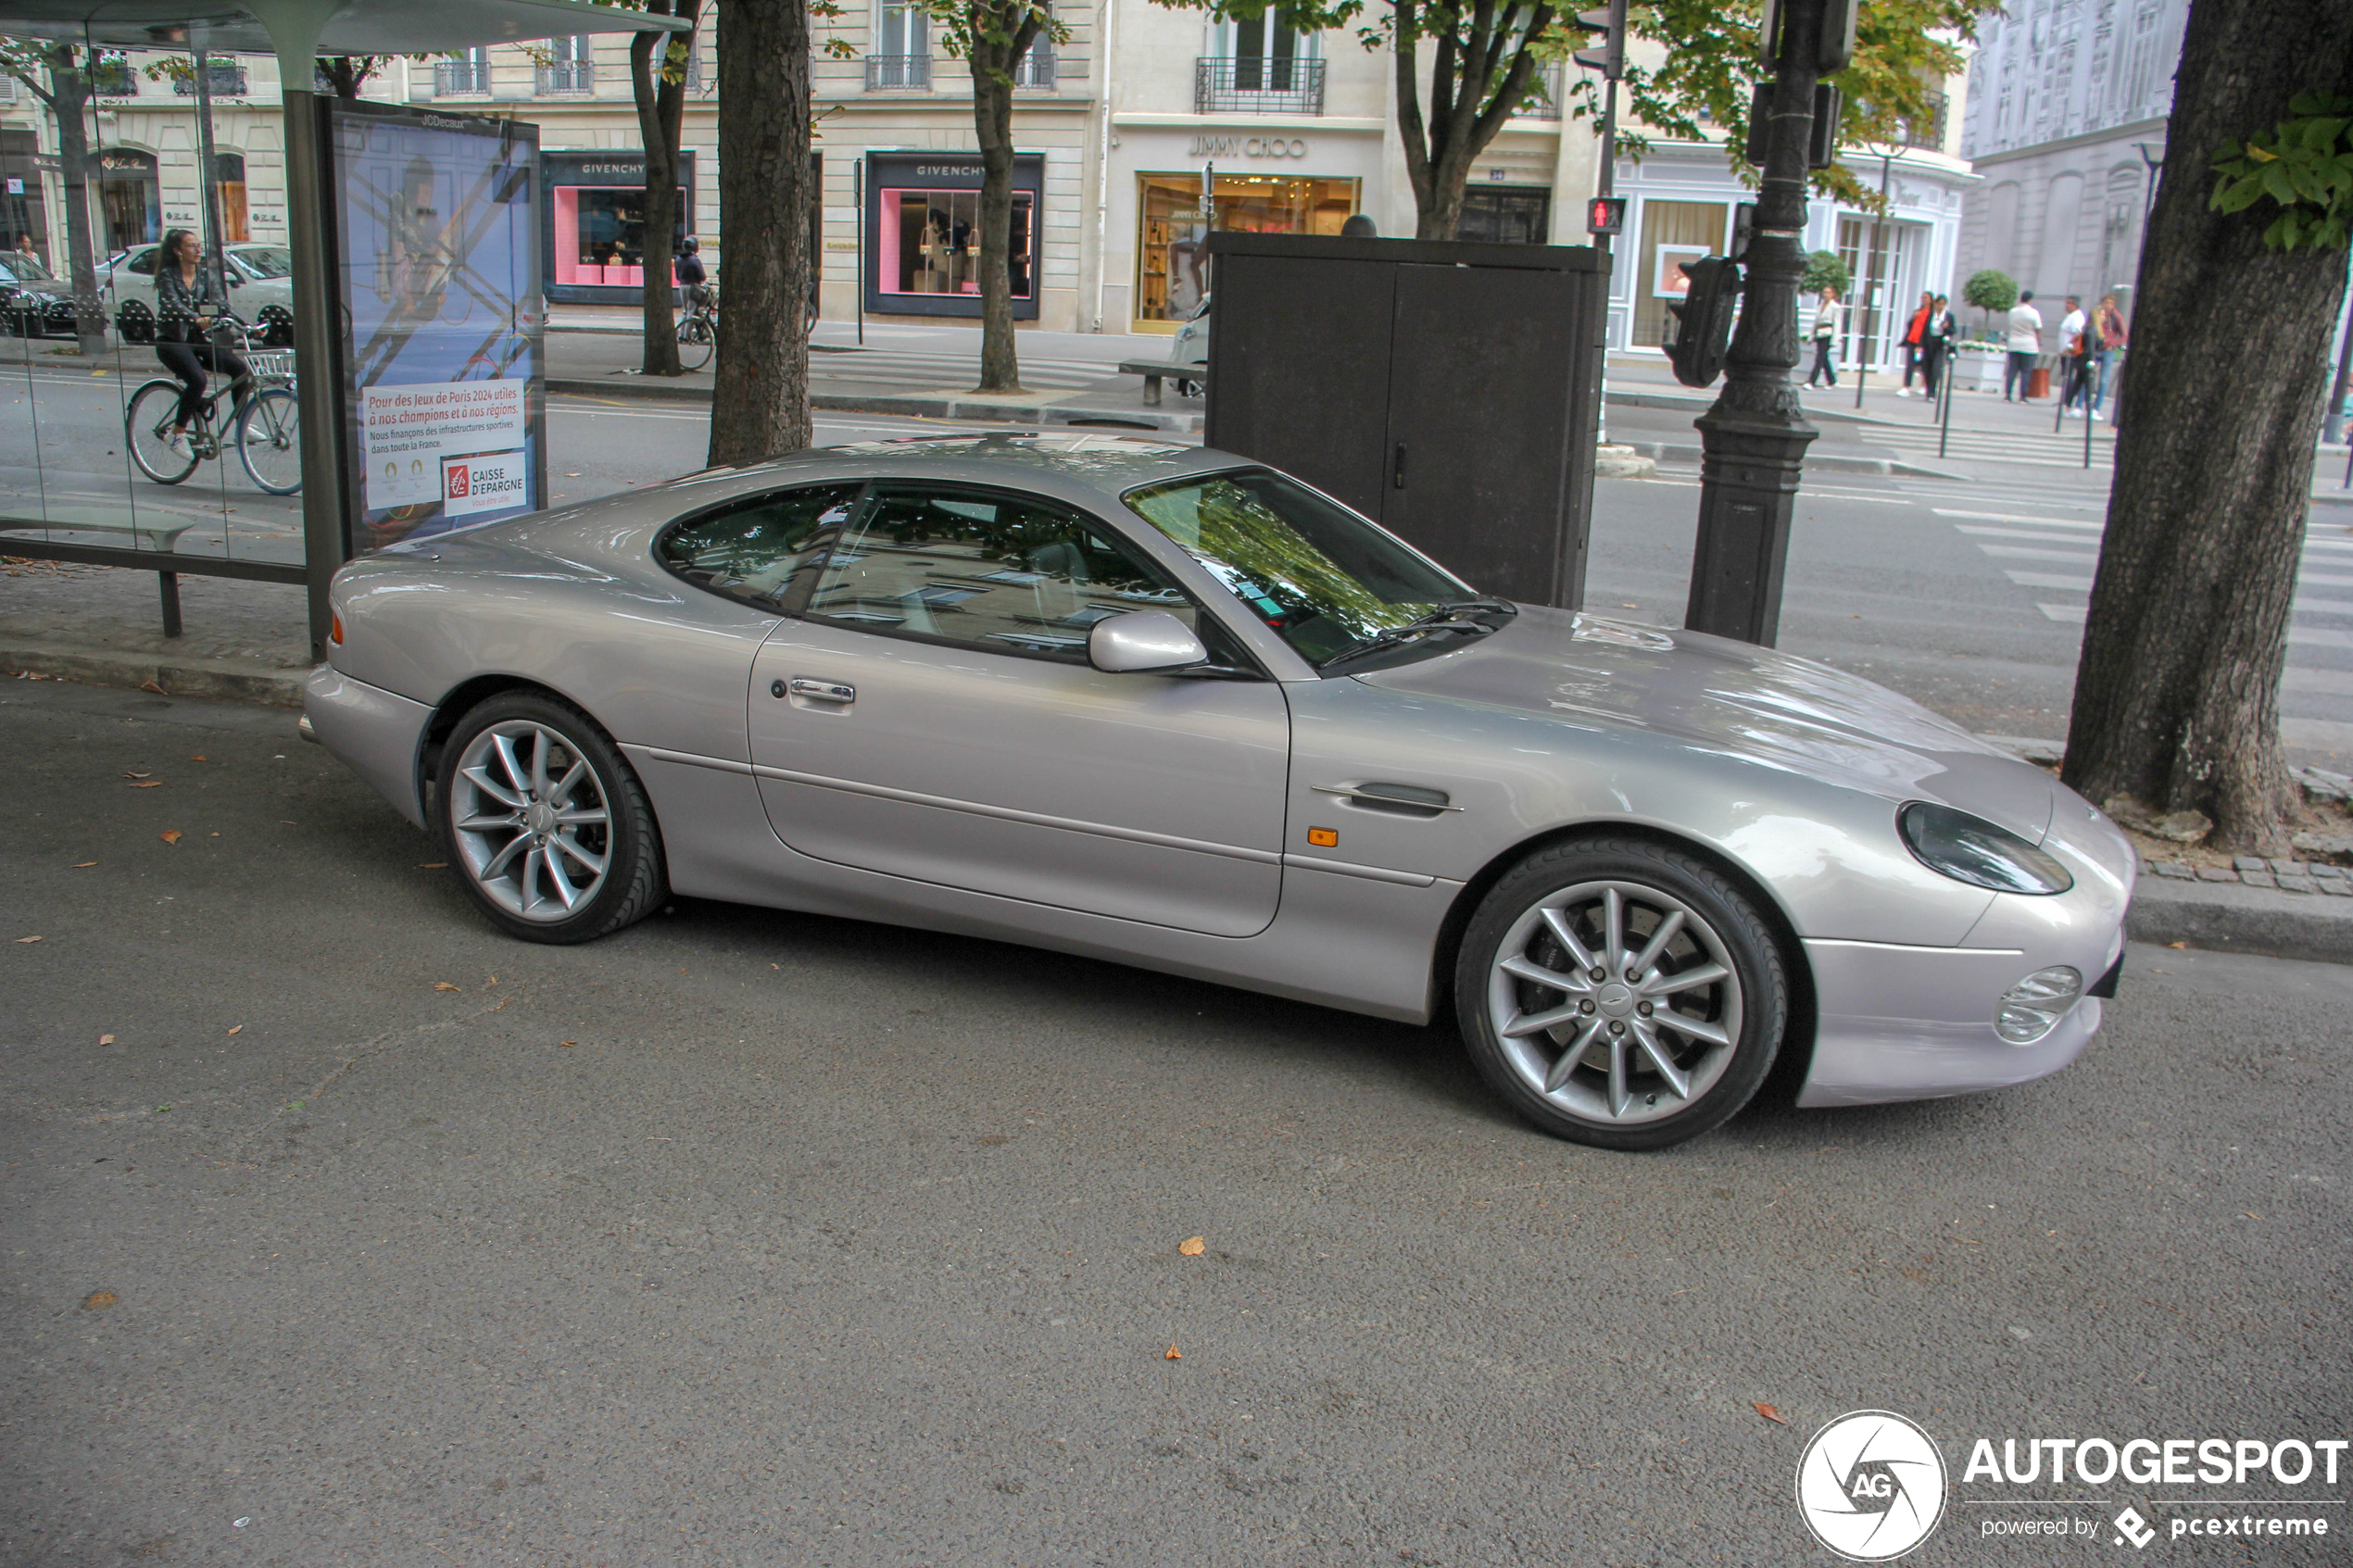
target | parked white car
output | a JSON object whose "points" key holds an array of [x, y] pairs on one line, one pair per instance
{"points": [[259, 276]]}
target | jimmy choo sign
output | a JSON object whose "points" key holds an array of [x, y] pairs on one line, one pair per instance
{"points": [[1248, 147]]}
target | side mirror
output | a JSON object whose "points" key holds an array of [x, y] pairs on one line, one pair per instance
{"points": [[1145, 639]]}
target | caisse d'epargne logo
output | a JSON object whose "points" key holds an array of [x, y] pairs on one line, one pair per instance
{"points": [[1870, 1485]]}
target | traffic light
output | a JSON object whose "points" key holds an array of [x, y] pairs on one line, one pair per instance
{"points": [[1605, 215], [1703, 319], [1607, 54]]}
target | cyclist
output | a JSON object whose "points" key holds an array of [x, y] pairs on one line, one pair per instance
{"points": [[691, 273], [182, 286]]}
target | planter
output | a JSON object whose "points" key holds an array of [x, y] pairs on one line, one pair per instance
{"points": [[1984, 360]]}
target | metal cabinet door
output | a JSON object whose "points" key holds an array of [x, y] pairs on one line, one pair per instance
{"points": [[1147, 798]]}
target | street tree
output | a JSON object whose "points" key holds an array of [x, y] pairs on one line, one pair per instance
{"points": [[1990, 291], [1825, 270], [60, 76], [991, 36], [1475, 63], [760, 405], [346, 74], [2242, 272], [658, 77]]}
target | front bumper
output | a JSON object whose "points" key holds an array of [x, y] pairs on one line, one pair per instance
{"points": [[377, 734]]}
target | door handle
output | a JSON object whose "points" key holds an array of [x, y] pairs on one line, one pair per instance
{"points": [[1399, 478], [815, 691]]}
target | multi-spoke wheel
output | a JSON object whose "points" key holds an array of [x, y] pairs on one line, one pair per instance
{"points": [[146, 425], [1621, 993], [269, 440], [547, 827], [696, 340]]}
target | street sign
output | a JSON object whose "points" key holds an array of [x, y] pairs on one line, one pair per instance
{"points": [[1605, 215]]}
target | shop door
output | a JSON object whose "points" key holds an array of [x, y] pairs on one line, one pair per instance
{"points": [[128, 194]]}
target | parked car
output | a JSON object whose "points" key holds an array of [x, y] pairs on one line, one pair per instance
{"points": [[1163, 706], [261, 278], [35, 301]]}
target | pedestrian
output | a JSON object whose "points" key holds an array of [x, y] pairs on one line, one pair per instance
{"points": [[1828, 314], [2025, 348], [2074, 357], [1936, 344], [1914, 341], [2110, 319], [690, 272]]}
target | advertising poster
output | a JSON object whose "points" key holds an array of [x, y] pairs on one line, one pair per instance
{"points": [[437, 233], [1669, 282]]}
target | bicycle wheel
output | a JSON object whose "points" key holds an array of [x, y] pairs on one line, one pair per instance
{"points": [[694, 341], [269, 440], [147, 427]]}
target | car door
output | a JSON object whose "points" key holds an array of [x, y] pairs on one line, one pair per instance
{"points": [[932, 715]]}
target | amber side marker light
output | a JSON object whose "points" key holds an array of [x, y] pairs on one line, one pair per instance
{"points": [[1324, 838], [335, 629]]}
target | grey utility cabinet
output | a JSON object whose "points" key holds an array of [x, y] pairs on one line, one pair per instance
{"points": [[1448, 390]]}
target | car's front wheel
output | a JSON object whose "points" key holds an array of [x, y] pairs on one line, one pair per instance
{"points": [[547, 828], [1621, 993]]}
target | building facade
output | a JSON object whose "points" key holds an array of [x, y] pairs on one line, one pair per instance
{"points": [[2066, 124]]}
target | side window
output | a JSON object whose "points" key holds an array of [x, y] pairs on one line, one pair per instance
{"points": [[144, 262], [752, 551], [1005, 574]]}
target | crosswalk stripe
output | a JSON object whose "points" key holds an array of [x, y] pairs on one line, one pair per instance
{"points": [[1987, 531], [2047, 580], [2015, 518], [2026, 552]]}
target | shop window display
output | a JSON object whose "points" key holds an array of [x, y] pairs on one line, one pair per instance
{"points": [[1173, 249], [601, 235], [930, 243]]}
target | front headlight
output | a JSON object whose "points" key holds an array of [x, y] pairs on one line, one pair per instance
{"points": [[1973, 850], [2033, 1008]]}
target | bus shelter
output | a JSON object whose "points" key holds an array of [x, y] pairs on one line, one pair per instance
{"points": [[400, 377]]}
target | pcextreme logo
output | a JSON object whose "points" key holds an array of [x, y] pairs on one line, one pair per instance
{"points": [[1870, 1485]]}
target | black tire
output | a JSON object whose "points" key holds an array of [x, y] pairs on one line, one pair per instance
{"points": [[1600, 1073], [134, 323], [695, 343], [269, 441], [145, 423], [518, 899]]}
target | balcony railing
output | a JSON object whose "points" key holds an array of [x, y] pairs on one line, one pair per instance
{"points": [[1548, 79], [225, 81], [567, 77], [461, 76], [1258, 84], [1036, 71], [905, 73], [111, 77], [1928, 132]]}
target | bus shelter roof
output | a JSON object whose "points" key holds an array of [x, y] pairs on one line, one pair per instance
{"points": [[333, 27]]}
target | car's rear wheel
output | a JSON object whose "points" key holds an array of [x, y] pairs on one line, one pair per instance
{"points": [[547, 828], [1621, 993]]}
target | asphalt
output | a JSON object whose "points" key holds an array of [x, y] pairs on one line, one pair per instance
{"points": [[371, 1236]]}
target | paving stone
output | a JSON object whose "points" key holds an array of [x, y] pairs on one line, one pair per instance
{"points": [[2257, 879], [2290, 868], [2249, 863], [2341, 887], [2174, 869], [2328, 873], [2217, 874], [2299, 884]]}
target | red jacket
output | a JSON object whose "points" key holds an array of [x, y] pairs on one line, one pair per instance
{"points": [[1919, 328]]}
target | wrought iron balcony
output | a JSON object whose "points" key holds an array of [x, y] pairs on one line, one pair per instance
{"points": [[1258, 84], [1035, 70], [224, 79], [1928, 132], [111, 76], [905, 73], [1549, 79], [461, 76], [567, 77]]}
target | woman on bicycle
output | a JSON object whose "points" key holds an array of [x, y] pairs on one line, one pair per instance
{"points": [[182, 287]]}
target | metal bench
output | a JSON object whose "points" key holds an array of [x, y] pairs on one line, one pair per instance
{"points": [[1154, 371]]}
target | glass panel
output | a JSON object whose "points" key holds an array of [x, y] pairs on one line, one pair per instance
{"points": [[1672, 232], [1012, 576], [753, 552], [930, 242], [1172, 252], [1315, 572]]}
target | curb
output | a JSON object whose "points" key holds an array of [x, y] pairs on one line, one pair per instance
{"points": [[1700, 403], [908, 406], [2221, 917], [236, 679], [1682, 452]]}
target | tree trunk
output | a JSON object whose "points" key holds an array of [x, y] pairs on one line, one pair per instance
{"points": [[1464, 118], [992, 72], [760, 407], [661, 107], [69, 101], [2177, 693]]}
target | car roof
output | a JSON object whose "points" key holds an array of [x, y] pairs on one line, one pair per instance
{"points": [[1106, 462]]}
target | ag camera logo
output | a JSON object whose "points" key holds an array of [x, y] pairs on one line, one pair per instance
{"points": [[1871, 1486]]}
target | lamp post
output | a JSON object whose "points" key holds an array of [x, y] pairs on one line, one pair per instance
{"points": [[1754, 439]]}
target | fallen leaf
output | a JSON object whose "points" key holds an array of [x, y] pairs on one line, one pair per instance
{"points": [[148, 784], [2244, 1215], [567, 1045], [128, 774], [238, 1030], [83, 865], [444, 985], [151, 686], [1770, 1413], [435, 866], [1193, 1246], [22, 940], [106, 1039], [1174, 1354], [170, 835], [198, 760], [2177, 944], [99, 1300]]}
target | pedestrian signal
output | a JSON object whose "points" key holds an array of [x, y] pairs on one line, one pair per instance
{"points": [[1605, 215]]}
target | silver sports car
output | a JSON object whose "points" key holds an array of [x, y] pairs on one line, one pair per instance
{"points": [[1167, 707]]}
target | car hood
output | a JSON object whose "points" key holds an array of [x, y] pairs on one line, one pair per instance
{"points": [[1739, 700]]}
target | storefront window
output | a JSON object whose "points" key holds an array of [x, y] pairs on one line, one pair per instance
{"points": [[1673, 232], [1173, 250], [229, 183], [601, 235], [930, 243], [129, 195]]}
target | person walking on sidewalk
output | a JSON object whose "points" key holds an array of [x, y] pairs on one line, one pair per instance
{"points": [[1936, 344], [1828, 315], [2074, 350], [2109, 321], [1914, 344], [2025, 348]]}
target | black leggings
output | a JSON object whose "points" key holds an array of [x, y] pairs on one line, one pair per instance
{"points": [[188, 362], [1824, 365]]}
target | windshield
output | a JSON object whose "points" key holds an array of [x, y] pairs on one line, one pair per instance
{"points": [[262, 262], [26, 265], [1319, 574]]}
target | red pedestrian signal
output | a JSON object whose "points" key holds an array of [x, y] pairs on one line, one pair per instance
{"points": [[1605, 215]]}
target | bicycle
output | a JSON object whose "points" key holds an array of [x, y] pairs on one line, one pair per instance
{"points": [[267, 427], [698, 330]]}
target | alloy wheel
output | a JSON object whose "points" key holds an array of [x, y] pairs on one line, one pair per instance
{"points": [[531, 819]]}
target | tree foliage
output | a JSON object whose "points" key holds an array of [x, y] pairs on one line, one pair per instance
{"points": [[2304, 168], [1990, 291], [1825, 270]]}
